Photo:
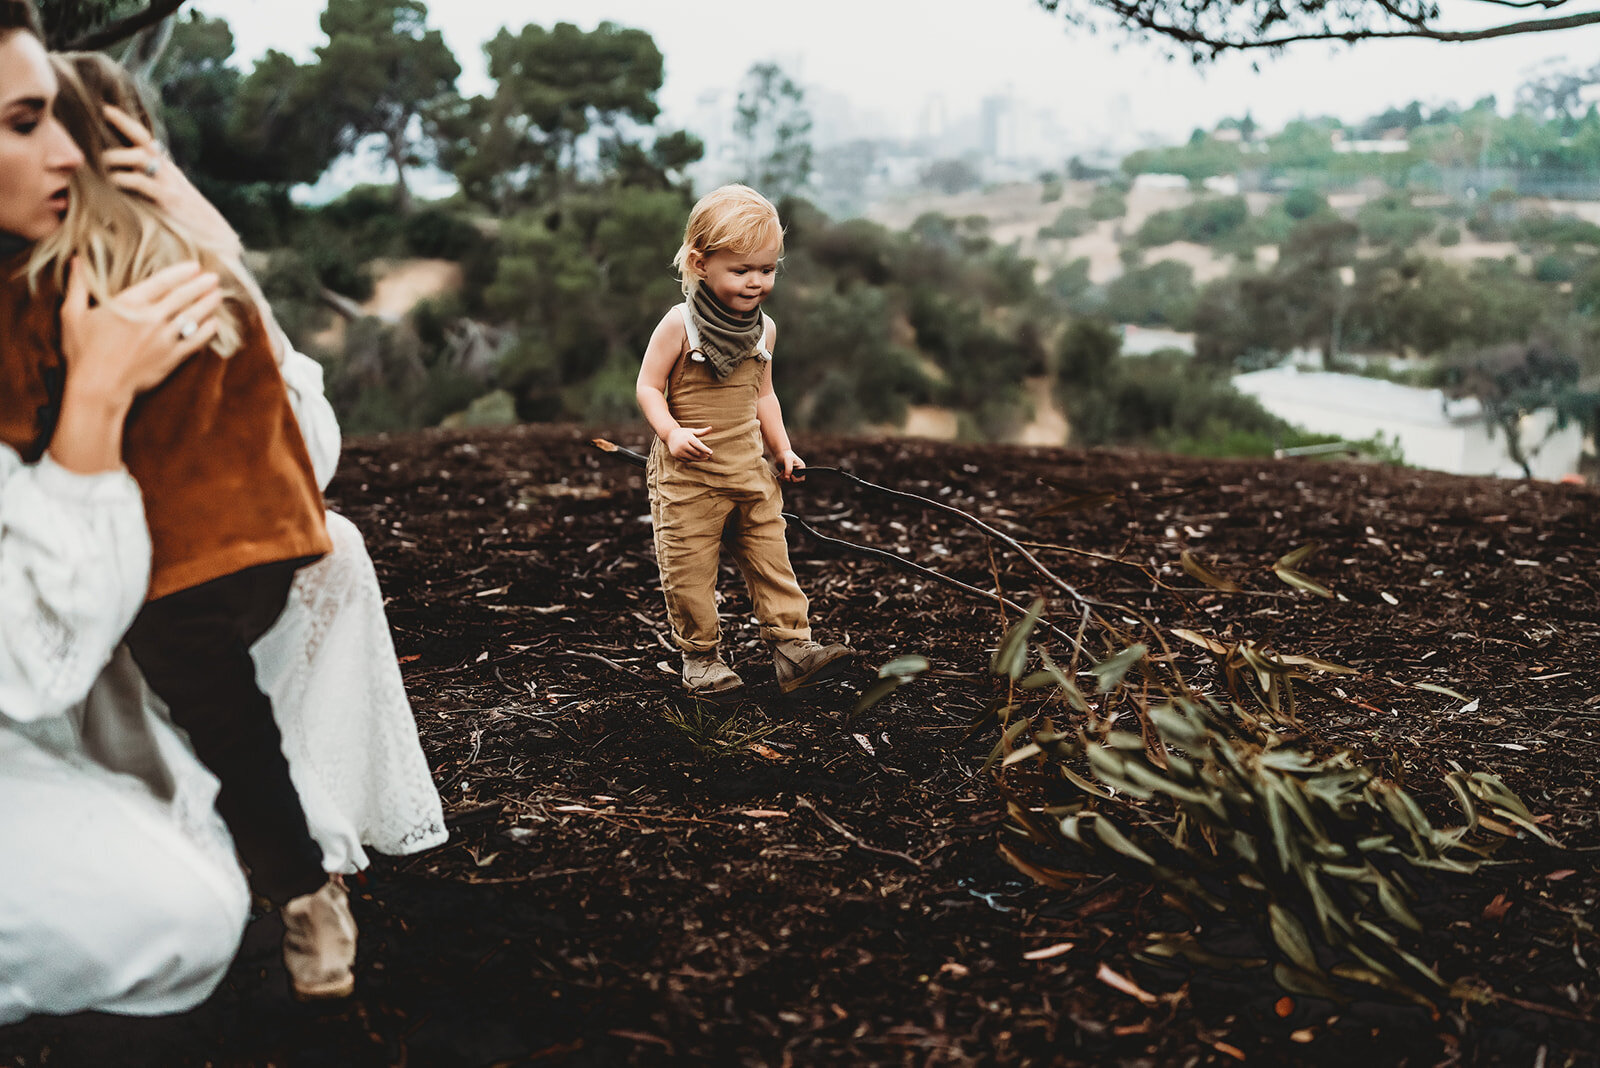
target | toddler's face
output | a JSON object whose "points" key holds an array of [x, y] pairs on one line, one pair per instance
{"points": [[741, 280]]}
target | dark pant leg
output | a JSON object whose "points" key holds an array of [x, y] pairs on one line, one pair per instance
{"points": [[193, 647]]}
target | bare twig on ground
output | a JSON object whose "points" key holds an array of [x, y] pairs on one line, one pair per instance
{"points": [[851, 836]]}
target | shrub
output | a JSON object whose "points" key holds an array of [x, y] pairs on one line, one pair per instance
{"points": [[1070, 223], [1162, 294], [439, 234], [1302, 203], [1108, 202], [1204, 222], [1391, 220]]}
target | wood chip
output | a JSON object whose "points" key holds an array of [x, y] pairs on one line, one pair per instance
{"points": [[1117, 981], [1049, 951]]}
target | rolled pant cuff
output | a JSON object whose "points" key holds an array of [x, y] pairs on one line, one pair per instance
{"points": [[696, 647], [785, 634]]}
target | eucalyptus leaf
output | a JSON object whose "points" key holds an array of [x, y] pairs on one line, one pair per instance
{"points": [[1111, 670]]}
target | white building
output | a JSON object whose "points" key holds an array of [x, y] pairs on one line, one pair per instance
{"points": [[1149, 340], [1432, 430]]}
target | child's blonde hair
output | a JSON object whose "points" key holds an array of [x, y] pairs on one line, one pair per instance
{"points": [[732, 217], [121, 238]]}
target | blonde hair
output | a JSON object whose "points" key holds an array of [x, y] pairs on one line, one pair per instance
{"points": [[732, 217], [121, 238]]}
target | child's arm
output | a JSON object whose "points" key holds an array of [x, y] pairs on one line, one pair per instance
{"points": [[666, 346], [770, 413]]}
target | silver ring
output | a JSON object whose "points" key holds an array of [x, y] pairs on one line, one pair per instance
{"points": [[187, 329], [151, 166]]}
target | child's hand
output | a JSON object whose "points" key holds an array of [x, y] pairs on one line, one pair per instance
{"points": [[685, 443], [792, 466]]}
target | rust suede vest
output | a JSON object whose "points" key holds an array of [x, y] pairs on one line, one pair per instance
{"points": [[218, 456]]}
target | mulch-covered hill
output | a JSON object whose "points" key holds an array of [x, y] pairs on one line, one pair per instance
{"points": [[796, 886]]}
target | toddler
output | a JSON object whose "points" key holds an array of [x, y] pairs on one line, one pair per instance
{"points": [[706, 389]]}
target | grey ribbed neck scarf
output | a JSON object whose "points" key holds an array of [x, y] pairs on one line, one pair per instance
{"points": [[727, 338]]}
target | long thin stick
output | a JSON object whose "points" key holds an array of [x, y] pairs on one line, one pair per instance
{"points": [[924, 502], [629, 456]]}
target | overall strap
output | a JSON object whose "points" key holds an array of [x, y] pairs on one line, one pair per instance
{"points": [[694, 335]]}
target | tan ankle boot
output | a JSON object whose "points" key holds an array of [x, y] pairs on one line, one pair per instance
{"points": [[705, 675], [319, 943], [807, 663]]}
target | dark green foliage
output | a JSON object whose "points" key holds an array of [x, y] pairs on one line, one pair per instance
{"points": [[1300, 301], [441, 234], [1547, 229], [1162, 294], [552, 86], [1391, 220], [1411, 302], [1554, 268], [1070, 281], [1515, 379], [383, 72], [1202, 157], [1085, 353], [1161, 401], [1204, 222], [1070, 223], [1108, 202], [1302, 203], [66, 22]]}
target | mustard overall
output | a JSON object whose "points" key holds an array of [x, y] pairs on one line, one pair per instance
{"points": [[691, 502]]}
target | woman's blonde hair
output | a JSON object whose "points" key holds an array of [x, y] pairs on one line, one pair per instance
{"points": [[732, 217], [120, 238]]}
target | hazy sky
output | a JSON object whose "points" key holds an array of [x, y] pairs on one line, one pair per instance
{"points": [[891, 55]]}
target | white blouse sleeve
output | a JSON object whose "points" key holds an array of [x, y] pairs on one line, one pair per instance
{"points": [[303, 377], [74, 570], [318, 425]]}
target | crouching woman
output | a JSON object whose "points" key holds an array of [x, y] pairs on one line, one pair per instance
{"points": [[117, 892]]}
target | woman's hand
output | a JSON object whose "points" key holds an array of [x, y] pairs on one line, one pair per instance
{"points": [[122, 347], [133, 341], [145, 170], [685, 443]]}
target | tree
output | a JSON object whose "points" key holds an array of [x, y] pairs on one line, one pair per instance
{"points": [[1513, 380], [661, 166], [382, 72], [1301, 301], [552, 87], [772, 120], [1207, 28], [81, 25], [951, 176]]}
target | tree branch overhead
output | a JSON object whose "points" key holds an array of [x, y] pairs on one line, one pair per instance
{"points": [[1208, 28]]}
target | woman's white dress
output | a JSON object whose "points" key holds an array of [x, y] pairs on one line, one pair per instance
{"points": [[119, 889], [116, 892], [330, 667]]}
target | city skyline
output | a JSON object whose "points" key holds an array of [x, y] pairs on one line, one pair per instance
{"points": [[894, 60]]}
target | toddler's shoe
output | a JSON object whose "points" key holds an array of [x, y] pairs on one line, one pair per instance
{"points": [[319, 943], [705, 675], [807, 663]]}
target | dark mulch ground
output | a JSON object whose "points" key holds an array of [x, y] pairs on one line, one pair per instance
{"points": [[615, 894]]}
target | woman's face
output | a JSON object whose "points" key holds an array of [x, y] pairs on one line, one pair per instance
{"points": [[37, 156]]}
